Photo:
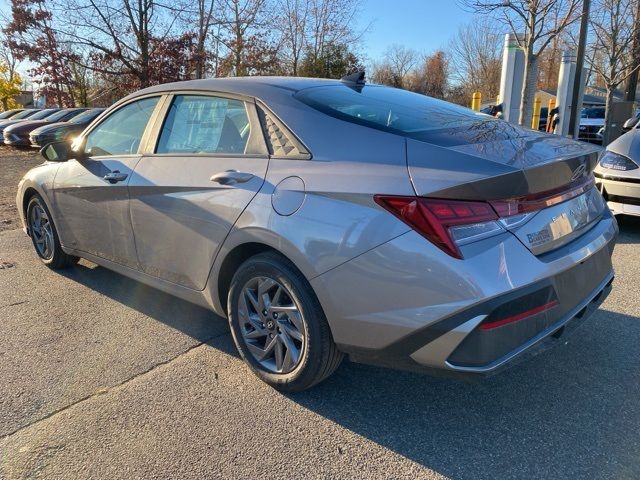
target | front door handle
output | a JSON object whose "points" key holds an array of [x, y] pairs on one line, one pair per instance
{"points": [[115, 177], [231, 177]]}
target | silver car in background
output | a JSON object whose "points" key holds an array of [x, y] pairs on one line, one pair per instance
{"points": [[618, 174], [328, 217]]}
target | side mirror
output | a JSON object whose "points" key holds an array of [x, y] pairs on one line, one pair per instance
{"points": [[59, 152], [56, 152]]}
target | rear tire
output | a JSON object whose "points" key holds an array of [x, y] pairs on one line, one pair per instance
{"points": [[44, 235], [278, 325]]}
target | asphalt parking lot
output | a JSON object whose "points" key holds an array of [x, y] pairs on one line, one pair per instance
{"points": [[102, 377]]}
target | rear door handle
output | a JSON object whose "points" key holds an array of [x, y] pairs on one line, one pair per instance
{"points": [[115, 176], [231, 177]]}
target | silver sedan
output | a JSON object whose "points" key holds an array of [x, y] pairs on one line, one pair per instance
{"points": [[327, 217]]}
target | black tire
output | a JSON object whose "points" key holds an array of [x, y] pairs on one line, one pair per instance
{"points": [[54, 258], [320, 357]]}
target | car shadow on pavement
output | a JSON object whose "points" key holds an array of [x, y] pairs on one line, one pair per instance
{"points": [[197, 322], [571, 412]]}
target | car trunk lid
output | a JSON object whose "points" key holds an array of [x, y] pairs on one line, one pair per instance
{"points": [[508, 166]]}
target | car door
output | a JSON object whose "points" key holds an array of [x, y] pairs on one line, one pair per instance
{"points": [[209, 161], [91, 196]]}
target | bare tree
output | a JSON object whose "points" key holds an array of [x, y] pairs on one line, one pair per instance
{"points": [[313, 30], [243, 18], [8, 55], [205, 20], [293, 25], [615, 26], [396, 65], [476, 60], [529, 20], [119, 35]]}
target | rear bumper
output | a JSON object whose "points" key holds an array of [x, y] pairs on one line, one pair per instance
{"points": [[445, 345], [622, 194], [447, 332]]}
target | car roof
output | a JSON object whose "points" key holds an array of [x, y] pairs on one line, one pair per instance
{"points": [[250, 86]]}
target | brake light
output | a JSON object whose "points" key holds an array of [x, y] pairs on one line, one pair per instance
{"points": [[451, 223], [439, 220]]}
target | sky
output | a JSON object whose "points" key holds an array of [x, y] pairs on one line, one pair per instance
{"points": [[423, 25]]}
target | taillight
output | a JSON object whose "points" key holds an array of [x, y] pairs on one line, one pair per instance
{"points": [[452, 223], [445, 223]]}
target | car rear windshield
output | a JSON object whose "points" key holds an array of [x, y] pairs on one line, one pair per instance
{"points": [[389, 109], [7, 114], [25, 114], [87, 116], [43, 114], [58, 115]]}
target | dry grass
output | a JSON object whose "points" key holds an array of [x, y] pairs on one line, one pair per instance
{"points": [[14, 164]]}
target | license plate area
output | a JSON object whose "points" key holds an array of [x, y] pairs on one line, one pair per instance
{"points": [[556, 226]]}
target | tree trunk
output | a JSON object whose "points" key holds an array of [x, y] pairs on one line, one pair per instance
{"points": [[608, 110], [529, 85], [632, 81]]}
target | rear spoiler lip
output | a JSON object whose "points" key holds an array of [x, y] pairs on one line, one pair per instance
{"points": [[556, 174]]}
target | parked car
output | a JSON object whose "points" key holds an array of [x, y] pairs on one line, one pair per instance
{"points": [[18, 117], [326, 217], [54, 132], [18, 135], [618, 174], [39, 115], [10, 113], [591, 124]]}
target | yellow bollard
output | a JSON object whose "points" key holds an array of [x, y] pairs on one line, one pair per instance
{"points": [[475, 101], [535, 120]]}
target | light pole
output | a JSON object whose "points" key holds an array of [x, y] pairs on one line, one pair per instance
{"points": [[577, 79]]}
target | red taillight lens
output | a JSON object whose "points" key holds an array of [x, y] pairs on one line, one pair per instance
{"points": [[432, 218]]}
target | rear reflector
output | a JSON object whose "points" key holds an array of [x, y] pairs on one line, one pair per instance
{"points": [[519, 316]]}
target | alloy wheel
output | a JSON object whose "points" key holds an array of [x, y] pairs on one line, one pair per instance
{"points": [[271, 324], [41, 231]]}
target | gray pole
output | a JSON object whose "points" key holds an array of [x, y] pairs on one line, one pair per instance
{"points": [[632, 81], [577, 79]]}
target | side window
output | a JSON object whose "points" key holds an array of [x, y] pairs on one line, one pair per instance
{"points": [[201, 124], [120, 133]]}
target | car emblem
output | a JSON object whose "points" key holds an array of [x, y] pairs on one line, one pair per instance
{"points": [[579, 172]]}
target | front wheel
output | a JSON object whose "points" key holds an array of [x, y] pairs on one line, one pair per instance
{"points": [[45, 236], [278, 324]]}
